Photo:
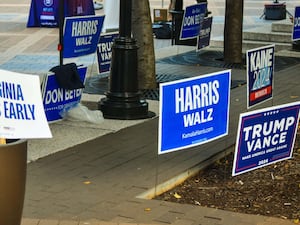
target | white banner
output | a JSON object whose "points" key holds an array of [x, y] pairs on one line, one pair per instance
{"points": [[21, 109]]}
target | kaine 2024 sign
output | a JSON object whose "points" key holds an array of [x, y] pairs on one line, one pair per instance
{"points": [[193, 111], [81, 35], [192, 21], [296, 28], [58, 100], [21, 109], [260, 72], [265, 136]]}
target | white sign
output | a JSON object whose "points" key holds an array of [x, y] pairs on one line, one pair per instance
{"points": [[21, 109]]}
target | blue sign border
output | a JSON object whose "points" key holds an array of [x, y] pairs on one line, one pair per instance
{"points": [[183, 124], [260, 80], [296, 27], [265, 136]]}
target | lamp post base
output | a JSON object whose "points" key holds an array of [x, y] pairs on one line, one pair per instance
{"points": [[124, 106]]}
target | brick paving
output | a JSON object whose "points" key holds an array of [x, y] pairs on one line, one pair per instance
{"points": [[101, 178]]}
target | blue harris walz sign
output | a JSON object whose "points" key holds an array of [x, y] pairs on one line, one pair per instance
{"points": [[193, 111], [296, 28], [192, 21], [265, 136], [260, 72], [81, 35]]}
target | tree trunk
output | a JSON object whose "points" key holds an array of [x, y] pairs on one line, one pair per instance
{"points": [[233, 31], [142, 32]]}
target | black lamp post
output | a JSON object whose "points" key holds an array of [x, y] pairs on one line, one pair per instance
{"points": [[61, 21], [123, 100]]}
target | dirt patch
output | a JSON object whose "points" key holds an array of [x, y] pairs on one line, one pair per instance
{"points": [[273, 190]]}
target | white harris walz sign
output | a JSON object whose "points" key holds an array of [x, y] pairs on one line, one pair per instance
{"points": [[21, 109], [193, 111], [265, 136]]}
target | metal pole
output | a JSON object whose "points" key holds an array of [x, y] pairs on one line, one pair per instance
{"points": [[123, 100], [61, 30]]}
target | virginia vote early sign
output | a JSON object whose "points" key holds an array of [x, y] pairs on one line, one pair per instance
{"points": [[21, 109]]}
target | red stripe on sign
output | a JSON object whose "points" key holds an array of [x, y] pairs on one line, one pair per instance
{"points": [[260, 93]]}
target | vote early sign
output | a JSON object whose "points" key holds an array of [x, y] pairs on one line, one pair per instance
{"points": [[21, 109], [81, 35], [193, 111], [265, 136]]}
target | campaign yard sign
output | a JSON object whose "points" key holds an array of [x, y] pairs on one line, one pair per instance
{"points": [[265, 136], [296, 28], [192, 21], [193, 111], [57, 100], [45, 13], [104, 51], [81, 35], [260, 73], [21, 109], [204, 36]]}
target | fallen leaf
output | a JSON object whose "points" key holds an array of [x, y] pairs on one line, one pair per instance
{"points": [[296, 221], [177, 195], [87, 182], [147, 209], [279, 178]]}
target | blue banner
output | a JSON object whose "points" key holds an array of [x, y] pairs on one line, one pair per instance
{"points": [[57, 100], [193, 111], [296, 29], [104, 51], [45, 13], [265, 136], [192, 21], [204, 36], [260, 72], [81, 35]]}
